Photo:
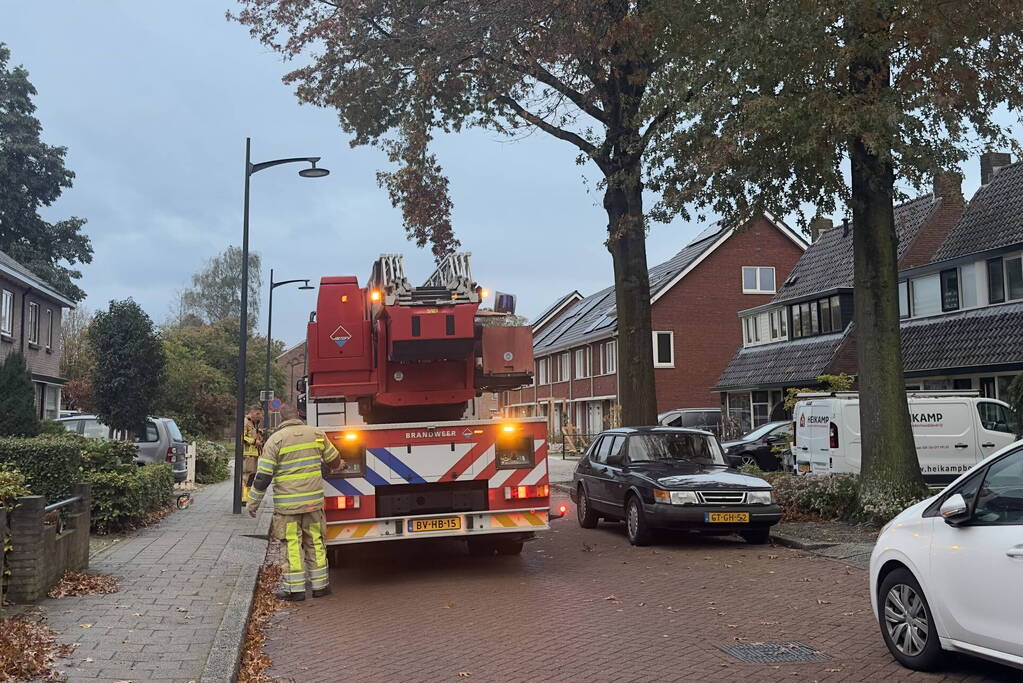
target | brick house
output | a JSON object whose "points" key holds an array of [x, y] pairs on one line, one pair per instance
{"points": [[960, 297], [293, 364], [695, 296], [30, 322]]}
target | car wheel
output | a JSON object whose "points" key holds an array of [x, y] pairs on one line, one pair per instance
{"points": [[636, 527], [586, 515], [906, 623], [747, 460], [507, 547], [481, 547], [756, 536]]}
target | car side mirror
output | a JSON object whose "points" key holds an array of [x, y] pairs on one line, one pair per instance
{"points": [[954, 510], [615, 460]]}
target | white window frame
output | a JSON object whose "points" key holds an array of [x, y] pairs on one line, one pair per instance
{"points": [[610, 357], [33, 323], [564, 367], [671, 337], [49, 328], [760, 285], [7, 313], [582, 363], [542, 376]]}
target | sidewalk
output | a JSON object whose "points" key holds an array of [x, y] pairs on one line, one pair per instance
{"points": [[181, 611]]}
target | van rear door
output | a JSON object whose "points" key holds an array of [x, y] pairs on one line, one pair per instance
{"points": [[812, 450], [945, 443], [801, 437]]}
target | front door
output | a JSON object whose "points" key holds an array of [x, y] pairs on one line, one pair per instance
{"points": [[978, 567]]}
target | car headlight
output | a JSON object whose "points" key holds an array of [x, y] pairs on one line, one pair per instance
{"points": [[676, 497], [760, 497]]}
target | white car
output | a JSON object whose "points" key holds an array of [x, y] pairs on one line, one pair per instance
{"points": [[947, 573]]}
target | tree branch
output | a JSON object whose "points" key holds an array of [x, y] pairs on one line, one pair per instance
{"points": [[549, 128], [541, 74]]}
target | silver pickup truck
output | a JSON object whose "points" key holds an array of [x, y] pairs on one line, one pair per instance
{"points": [[161, 442]]}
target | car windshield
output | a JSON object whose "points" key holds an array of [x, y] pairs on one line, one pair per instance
{"points": [[675, 446], [760, 431]]}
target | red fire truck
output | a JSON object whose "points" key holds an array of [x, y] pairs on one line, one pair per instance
{"points": [[393, 374]]}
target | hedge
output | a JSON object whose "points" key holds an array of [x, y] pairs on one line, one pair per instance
{"points": [[211, 462], [50, 464], [122, 498]]}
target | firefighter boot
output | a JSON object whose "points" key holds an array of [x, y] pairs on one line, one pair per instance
{"points": [[288, 596], [319, 593]]}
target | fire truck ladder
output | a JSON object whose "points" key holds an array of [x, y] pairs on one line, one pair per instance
{"points": [[454, 275], [389, 277]]}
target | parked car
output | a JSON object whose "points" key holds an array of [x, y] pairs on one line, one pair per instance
{"points": [[945, 574], [756, 448], [692, 418], [953, 431], [669, 477], [161, 442]]}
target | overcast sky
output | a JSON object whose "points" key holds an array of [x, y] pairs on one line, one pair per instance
{"points": [[154, 101]]}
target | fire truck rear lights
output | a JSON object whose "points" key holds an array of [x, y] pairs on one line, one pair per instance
{"points": [[341, 502], [563, 509], [520, 492], [508, 428], [484, 293], [351, 436], [375, 295]]}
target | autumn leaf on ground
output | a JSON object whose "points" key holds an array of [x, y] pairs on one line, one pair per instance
{"points": [[80, 583], [28, 651]]}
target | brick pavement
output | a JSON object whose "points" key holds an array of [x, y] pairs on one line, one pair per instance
{"points": [[177, 580], [585, 605]]}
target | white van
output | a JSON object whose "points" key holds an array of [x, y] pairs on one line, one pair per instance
{"points": [[953, 431]]}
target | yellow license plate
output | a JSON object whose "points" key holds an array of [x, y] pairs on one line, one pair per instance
{"points": [[804, 467], [435, 524], [727, 517]]}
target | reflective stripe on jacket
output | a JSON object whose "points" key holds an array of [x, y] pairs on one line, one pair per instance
{"points": [[292, 457], [249, 437]]}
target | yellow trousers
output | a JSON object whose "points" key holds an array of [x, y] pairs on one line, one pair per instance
{"points": [[305, 554]]}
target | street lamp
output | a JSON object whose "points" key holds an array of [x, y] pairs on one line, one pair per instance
{"points": [[269, 337], [243, 326]]}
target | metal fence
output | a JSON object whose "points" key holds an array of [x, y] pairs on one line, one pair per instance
{"points": [[570, 444]]}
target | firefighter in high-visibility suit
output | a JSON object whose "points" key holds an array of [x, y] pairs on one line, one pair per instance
{"points": [[292, 458], [252, 443]]}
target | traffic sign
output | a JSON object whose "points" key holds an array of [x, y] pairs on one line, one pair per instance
{"points": [[265, 396], [275, 404]]}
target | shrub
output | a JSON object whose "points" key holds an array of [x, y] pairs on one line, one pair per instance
{"points": [[52, 427], [12, 486], [824, 497], [50, 464], [123, 499], [107, 455], [211, 463], [17, 398]]}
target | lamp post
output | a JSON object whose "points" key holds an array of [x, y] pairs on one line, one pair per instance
{"points": [[269, 340], [243, 326]]}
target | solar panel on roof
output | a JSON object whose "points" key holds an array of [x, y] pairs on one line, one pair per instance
{"points": [[713, 229]]}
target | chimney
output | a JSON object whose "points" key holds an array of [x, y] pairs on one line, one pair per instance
{"points": [[948, 185], [991, 163], [818, 225]]}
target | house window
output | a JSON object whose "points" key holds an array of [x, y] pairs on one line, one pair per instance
{"points": [[811, 314], [1014, 277], [610, 357], [564, 367], [33, 323], [797, 323], [758, 280], [774, 324], [968, 285], [761, 402], [582, 363], [49, 328], [926, 296], [7, 313], [949, 290], [664, 349], [904, 299], [995, 281], [836, 314], [825, 307], [541, 371]]}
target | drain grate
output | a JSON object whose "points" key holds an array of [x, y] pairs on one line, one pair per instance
{"points": [[773, 653]]}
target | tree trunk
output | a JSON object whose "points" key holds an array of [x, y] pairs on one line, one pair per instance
{"points": [[623, 201], [890, 471]]}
